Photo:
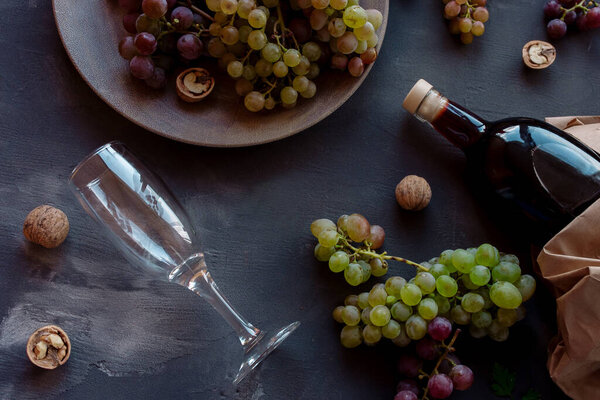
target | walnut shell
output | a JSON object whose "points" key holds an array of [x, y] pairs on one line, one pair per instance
{"points": [[413, 193], [538, 54], [54, 354], [194, 84], [46, 226]]}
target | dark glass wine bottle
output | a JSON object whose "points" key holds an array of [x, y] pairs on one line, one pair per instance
{"points": [[546, 172]]}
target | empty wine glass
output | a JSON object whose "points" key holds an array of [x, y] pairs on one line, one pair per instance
{"points": [[148, 225]]}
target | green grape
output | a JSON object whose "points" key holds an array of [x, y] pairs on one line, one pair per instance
{"points": [[521, 312], [371, 334], [365, 315], [225, 60], [505, 295], [216, 48], [438, 270], [402, 340], [265, 10], [366, 270], [229, 7], [463, 261], [308, 94], [390, 301], [300, 83], [257, 40], [327, 238], [355, 16], [443, 303], [313, 72], [510, 258], [481, 319], [337, 314], [244, 8], [411, 294], [401, 311], [480, 275], [363, 300], [361, 47], [506, 317], [215, 29], [312, 51], [391, 330], [351, 336], [353, 274], [320, 225], [263, 68], [416, 327], [497, 332], [303, 66], [323, 253], [338, 4], [506, 271], [460, 315], [466, 280], [394, 285], [249, 73], [351, 315], [487, 255], [365, 31], [426, 282], [244, 33], [257, 18], [446, 257], [375, 18], [472, 302], [446, 286], [373, 40], [477, 332], [336, 27], [291, 58], [428, 308], [221, 17], [380, 315], [351, 300], [255, 101], [339, 261], [526, 285], [377, 296], [238, 49], [271, 52], [235, 70], [230, 35], [214, 5], [146, 24], [270, 103], [485, 293], [378, 267], [280, 69]]}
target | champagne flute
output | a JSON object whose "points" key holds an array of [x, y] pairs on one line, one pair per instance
{"points": [[145, 221]]}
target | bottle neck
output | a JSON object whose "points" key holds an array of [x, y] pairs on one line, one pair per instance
{"points": [[459, 125]]}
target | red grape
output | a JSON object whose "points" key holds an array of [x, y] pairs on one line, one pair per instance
{"points": [[462, 377], [426, 349], [155, 8], [171, 3], [339, 61], [369, 56], [552, 9], [145, 43], [189, 46], [448, 363], [377, 234], [158, 80], [593, 18], [439, 328], [301, 29], [356, 67], [405, 395], [130, 5], [556, 28], [409, 365], [408, 385], [582, 22], [127, 49], [129, 22], [141, 67], [570, 17], [358, 227], [440, 386], [182, 18]]}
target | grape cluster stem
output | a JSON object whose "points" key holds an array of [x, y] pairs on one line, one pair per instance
{"points": [[197, 10], [448, 349]]}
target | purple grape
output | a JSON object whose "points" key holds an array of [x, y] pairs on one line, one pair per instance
{"points": [[567, 3], [439, 328], [189, 46], [552, 9], [129, 22], [130, 5], [184, 17], [145, 43], [440, 386], [154, 8], [301, 29], [409, 365], [570, 17], [127, 49], [141, 67], [556, 28], [448, 363], [408, 385], [158, 80], [171, 3], [462, 377], [199, 20], [582, 22], [405, 395], [593, 18], [427, 349]]}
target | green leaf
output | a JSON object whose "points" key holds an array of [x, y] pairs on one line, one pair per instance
{"points": [[532, 394], [504, 381]]}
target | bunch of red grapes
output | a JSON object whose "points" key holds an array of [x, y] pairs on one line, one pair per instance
{"points": [[582, 14]]}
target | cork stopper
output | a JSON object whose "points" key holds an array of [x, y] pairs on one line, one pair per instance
{"points": [[416, 95]]}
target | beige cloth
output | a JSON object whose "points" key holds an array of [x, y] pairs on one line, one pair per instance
{"points": [[570, 262]]}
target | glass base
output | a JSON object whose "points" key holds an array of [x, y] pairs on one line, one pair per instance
{"points": [[262, 348]]}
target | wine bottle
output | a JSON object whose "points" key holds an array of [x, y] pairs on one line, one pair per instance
{"points": [[549, 174]]}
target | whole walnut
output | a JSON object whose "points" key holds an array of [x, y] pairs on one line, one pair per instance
{"points": [[413, 193], [46, 226]]}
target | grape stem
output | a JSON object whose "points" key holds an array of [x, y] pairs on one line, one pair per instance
{"points": [[197, 10], [370, 253], [449, 349]]}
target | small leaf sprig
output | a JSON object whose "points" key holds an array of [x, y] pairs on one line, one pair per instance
{"points": [[503, 384]]}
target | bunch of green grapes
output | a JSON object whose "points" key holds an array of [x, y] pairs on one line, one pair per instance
{"points": [[478, 287], [349, 247], [275, 51], [467, 18]]}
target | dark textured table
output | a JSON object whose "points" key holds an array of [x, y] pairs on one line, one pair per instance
{"points": [[137, 339]]}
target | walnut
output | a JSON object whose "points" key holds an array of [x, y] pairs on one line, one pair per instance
{"points": [[538, 54], [46, 226], [49, 347], [413, 193], [194, 84]]}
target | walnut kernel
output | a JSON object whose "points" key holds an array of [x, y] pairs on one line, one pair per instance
{"points": [[46, 226], [49, 347], [413, 193]]}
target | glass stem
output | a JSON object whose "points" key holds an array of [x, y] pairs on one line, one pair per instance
{"points": [[204, 286]]}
